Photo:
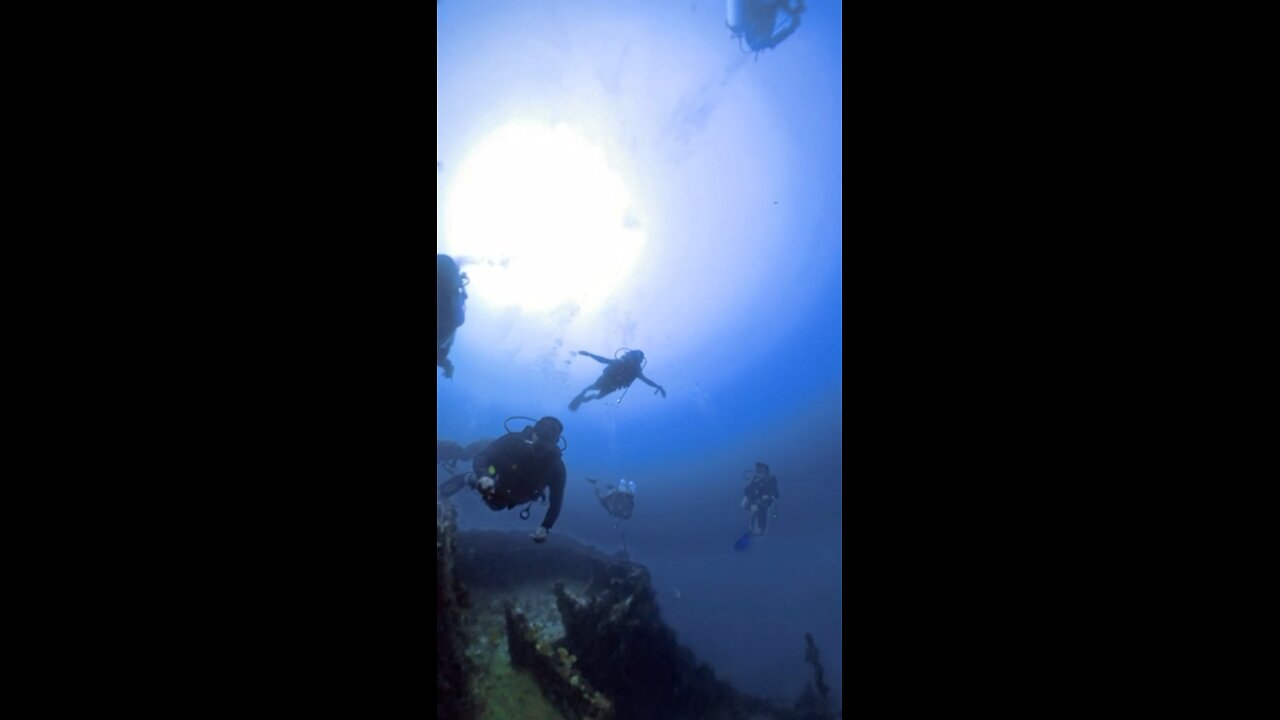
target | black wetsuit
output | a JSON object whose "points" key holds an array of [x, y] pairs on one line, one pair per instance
{"points": [[762, 492], [450, 309], [618, 374], [522, 472]]}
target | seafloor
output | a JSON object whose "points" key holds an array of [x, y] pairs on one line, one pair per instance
{"points": [[562, 631]]}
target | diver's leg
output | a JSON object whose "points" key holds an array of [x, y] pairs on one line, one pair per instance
{"points": [[582, 396], [454, 485], [607, 390]]}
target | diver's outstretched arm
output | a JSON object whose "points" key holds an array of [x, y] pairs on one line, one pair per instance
{"points": [[595, 357], [557, 496], [653, 384]]}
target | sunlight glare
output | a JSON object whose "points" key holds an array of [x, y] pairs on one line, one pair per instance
{"points": [[538, 219]]}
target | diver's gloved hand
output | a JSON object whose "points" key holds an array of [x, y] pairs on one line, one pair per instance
{"points": [[448, 369], [660, 390], [539, 535]]}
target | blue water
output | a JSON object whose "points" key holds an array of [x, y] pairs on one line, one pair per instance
{"points": [[734, 168]]}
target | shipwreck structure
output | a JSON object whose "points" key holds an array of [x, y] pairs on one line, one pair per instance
{"points": [[561, 630]]}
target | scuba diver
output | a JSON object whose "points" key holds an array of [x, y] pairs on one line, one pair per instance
{"points": [[619, 501], [759, 497], [619, 373], [518, 468], [451, 301]]}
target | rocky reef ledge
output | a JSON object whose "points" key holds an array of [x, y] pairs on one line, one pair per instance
{"points": [[561, 630]]}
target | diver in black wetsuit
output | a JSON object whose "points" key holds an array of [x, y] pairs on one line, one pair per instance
{"points": [[618, 500], [451, 302], [758, 498], [619, 373], [518, 468]]}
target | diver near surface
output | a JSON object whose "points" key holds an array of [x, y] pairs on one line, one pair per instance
{"points": [[519, 468], [619, 373], [451, 304], [758, 498]]}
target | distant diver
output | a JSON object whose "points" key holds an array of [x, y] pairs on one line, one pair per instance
{"points": [[762, 24], [618, 500], [519, 468], [760, 497], [619, 373], [451, 308]]}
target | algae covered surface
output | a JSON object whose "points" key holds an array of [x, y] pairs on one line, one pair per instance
{"points": [[501, 691], [505, 693]]}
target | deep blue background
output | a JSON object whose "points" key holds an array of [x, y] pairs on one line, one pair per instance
{"points": [[757, 379]]}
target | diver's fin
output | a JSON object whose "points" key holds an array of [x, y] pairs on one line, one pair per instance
{"points": [[453, 485]]}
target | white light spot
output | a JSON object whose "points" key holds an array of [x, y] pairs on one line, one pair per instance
{"points": [[539, 219]]}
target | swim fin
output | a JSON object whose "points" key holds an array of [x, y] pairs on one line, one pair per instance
{"points": [[453, 485]]}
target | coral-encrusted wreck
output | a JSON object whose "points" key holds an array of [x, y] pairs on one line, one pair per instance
{"points": [[560, 630]]}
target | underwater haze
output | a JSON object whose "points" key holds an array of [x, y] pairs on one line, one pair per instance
{"points": [[622, 174]]}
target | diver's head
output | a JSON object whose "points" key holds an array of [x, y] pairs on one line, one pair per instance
{"points": [[547, 431], [762, 468], [634, 356]]}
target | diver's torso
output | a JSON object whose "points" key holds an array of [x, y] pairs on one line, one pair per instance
{"points": [[622, 373], [761, 487], [522, 471]]}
